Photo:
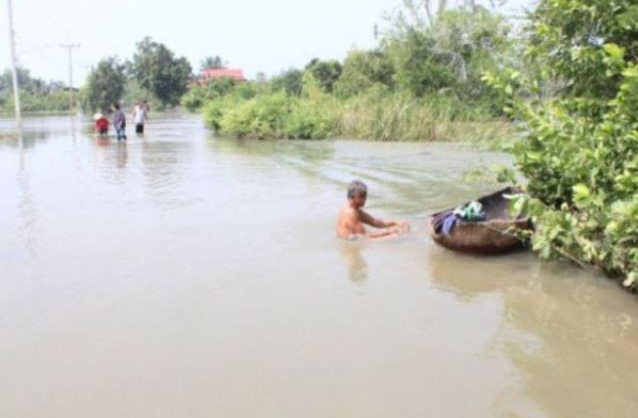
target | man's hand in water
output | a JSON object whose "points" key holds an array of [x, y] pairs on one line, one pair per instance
{"points": [[398, 228], [403, 227]]}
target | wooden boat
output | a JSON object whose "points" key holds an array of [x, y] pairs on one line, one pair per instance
{"points": [[494, 235]]}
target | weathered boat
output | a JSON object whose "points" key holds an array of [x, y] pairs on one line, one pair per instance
{"points": [[494, 235]]}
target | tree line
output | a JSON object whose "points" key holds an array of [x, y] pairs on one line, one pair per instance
{"points": [[36, 94], [423, 80], [154, 72]]}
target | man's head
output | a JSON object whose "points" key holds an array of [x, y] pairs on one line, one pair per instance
{"points": [[357, 193]]}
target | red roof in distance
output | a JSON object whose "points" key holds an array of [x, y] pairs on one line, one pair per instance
{"points": [[234, 73]]}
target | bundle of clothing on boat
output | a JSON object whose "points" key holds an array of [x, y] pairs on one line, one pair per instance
{"points": [[445, 222]]}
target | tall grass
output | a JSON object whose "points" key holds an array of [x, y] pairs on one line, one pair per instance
{"points": [[398, 118], [373, 116]]}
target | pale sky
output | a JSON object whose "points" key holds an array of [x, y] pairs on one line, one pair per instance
{"points": [[254, 35]]}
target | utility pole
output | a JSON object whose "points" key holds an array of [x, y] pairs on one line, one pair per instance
{"points": [[14, 68], [69, 48]]}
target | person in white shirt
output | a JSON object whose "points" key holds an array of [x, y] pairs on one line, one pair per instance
{"points": [[140, 115]]}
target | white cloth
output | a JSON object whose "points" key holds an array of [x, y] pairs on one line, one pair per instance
{"points": [[139, 117]]}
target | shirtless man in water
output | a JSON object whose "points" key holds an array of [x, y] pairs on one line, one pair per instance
{"points": [[352, 217]]}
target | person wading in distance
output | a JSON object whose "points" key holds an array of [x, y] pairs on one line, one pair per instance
{"points": [[352, 217], [140, 115], [119, 122]]}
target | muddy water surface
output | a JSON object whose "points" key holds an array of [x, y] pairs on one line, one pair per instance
{"points": [[182, 275]]}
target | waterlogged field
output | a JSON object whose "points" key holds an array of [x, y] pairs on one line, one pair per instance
{"points": [[183, 275]]}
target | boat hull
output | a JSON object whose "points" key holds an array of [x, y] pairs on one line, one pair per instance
{"points": [[496, 235]]}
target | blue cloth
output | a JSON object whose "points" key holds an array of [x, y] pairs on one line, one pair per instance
{"points": [[449, 223]]}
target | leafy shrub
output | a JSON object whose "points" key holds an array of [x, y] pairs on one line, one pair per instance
{"points": [[311, 120], [580, 149], [261, 117]]}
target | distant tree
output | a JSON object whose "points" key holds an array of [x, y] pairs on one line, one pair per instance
{"points": [[326, 73], [362, 70], [289, 81], [434, 46], [104, 85], [25, 82], [212, 62], [158, 70], [36, 94]]}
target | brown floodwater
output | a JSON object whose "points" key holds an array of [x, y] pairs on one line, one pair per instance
{"points": [[183, 275]]}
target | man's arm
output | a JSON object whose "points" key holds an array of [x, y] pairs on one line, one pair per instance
{"points": [[366, 218]]}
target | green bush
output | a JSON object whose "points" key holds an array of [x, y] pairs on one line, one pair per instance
{"points": [[311, 120], [214, 110], [200, 94], [378, 114], [272, 115], [580, 150], [261, 117]]}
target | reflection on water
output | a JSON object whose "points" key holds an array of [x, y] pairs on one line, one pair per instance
{"points": [[181, 274], [354, 261], [470, 276], [28, 215], [122, 156], [564, 329]]}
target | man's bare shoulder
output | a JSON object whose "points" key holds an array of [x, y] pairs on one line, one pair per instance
{"points": [[349, 222], [348, 210]]}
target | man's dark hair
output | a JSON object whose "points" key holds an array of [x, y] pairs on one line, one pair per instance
{"points": [[357, 188]]}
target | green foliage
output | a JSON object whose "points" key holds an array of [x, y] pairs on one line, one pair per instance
{"points": [[418, 70], [134, 93], [569, 38], [214, 110], [36, 95], [448, 51], [325, 72], [362, 70], [158, 70], [423, 82], [289, 81], [261, 117], [273, 115], [580, 149], [310, 119], [380, 115], [104, 85], [216, 88], [200, 94]]}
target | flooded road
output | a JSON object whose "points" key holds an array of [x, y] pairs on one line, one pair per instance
{"points": [[183, 275]]}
